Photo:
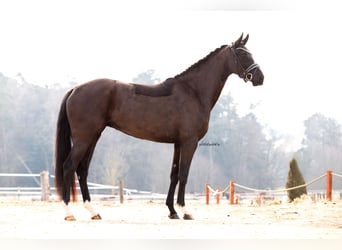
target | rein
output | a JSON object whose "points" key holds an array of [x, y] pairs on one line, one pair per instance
{"points": [[247, 74]]}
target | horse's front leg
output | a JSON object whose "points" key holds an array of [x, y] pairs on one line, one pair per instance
{"points": [[173, 182], [187, 151]]}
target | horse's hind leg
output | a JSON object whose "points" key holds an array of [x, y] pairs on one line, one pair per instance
{"points": [[76, 155], [82, 174], [67, 182]]}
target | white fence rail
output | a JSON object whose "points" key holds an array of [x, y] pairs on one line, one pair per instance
{"points": [[45, 189]]}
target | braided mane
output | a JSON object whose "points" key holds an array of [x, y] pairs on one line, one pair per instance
{"points": [[201, 61]]}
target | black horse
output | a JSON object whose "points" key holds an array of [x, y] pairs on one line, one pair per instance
{"points": [[176, 111]]}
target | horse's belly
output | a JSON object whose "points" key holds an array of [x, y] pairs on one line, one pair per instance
{"points": [[149, 131], [150, 122]]}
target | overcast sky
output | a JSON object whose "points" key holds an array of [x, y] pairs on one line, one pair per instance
{"points": [[296, 43]]}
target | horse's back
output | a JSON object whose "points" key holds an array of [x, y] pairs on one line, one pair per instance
{"points": [[98, 90]]}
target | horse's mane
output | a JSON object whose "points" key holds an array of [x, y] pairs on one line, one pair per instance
{"points": [[200, 62]]}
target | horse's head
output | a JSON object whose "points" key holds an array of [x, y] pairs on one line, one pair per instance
{"points": [[244, 64]]}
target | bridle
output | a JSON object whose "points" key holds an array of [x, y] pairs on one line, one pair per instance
{"points": [[247, 74]]}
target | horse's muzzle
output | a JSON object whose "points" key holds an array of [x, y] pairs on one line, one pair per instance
{"points": [[258, 78]]}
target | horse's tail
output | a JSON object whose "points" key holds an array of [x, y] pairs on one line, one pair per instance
{"points": [[62, 149]]}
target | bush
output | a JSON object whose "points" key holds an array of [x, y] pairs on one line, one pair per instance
{"points": [[294, 179]]}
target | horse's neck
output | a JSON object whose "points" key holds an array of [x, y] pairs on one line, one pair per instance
{"points": [[209, 80]]}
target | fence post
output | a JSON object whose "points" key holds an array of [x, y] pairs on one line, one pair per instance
{"points": [[329, 185], [207, 191], [45, 186], [231, 192], [121, 191], [218, 196]]}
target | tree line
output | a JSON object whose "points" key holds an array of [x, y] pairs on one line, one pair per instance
{"points": [[235, 148]]}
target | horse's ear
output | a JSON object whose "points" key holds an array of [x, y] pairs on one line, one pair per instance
{"points": [[238, 42], [244, 41]]}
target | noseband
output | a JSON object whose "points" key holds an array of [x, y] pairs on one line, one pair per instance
{"points": [[247, 74]]}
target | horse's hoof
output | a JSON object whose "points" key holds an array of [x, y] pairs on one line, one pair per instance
{"points": [[96, 217], [70, 218], [174, 216], [188, 217]]}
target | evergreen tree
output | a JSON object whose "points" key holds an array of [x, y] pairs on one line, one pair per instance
{"points": [[294, 179]]}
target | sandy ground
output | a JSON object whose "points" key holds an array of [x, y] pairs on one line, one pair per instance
{"points": [[148, 220]]}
